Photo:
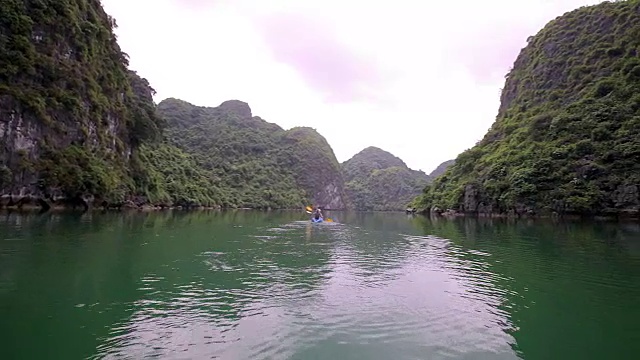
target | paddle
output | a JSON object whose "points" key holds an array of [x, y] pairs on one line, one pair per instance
{"points": [[309, 210]]}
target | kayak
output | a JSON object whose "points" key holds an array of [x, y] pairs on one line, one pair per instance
{"points": [[316, 220]]}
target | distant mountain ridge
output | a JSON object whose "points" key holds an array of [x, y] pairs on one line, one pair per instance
{"points": [[440, 169], [377, 180]]}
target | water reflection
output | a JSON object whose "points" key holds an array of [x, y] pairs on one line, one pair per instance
{"points": [[417, 307], [271, 285], [564, 281], [295, 291], [249, 276]]}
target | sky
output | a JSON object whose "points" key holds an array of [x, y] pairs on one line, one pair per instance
{"points": [[419, 79]]}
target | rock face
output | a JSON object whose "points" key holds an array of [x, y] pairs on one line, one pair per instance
{"points": [[315, 167], [236, 107], [441, 169], [378, 180], [567, 136], [332, 196], [71, 113], [254, 163]]}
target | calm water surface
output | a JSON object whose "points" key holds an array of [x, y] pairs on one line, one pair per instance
{"points": [[256, 285]]}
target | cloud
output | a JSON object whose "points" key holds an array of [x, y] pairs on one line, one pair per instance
{"points": [[489, 53], [197, 4], [325, 63], [494, 33]]}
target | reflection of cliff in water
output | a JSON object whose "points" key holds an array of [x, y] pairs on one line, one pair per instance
{"points": [[62, 276], [392, 284], [119, 269], [379, 221], [565, 281], [248, 263], [371, 244]]}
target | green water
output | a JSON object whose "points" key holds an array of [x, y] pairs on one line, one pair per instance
{"points": [[256, 285]]}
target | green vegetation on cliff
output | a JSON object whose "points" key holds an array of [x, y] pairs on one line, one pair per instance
{"points": [[377, 180], [253, 163], [168, 176], [70, 110], [567, 135]]}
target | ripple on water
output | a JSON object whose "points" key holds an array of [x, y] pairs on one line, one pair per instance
{"points": [[418, 293]]}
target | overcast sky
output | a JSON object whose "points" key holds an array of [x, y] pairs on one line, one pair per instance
{"points": [[420, 79]]}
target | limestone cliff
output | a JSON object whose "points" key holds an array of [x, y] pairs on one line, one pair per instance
{"points": [[71, 113], [315, 167], [567, 136]]}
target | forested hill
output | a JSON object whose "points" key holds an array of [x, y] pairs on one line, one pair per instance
{"points": [[378, 180], [251, 162], [567, 136]]}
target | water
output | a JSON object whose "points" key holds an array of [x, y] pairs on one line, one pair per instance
{"points": [[255, 285]]}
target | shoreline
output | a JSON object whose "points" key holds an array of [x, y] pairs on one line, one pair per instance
{"points": [[32, 208], [621, 215]]}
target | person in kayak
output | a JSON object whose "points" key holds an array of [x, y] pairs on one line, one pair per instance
{"points": [[317, 214]]}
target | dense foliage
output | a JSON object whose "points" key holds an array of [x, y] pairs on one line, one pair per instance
{"points": [[377, 180], [70, 110], [168, 176], [567, 136], [248, 161]]}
